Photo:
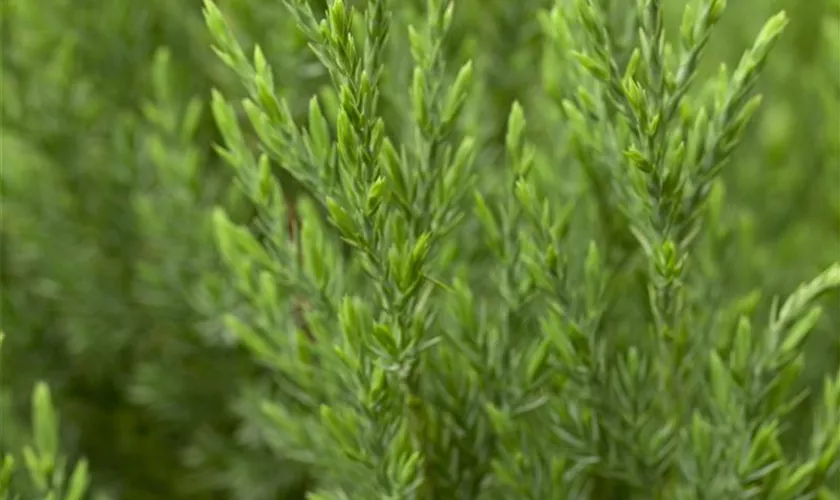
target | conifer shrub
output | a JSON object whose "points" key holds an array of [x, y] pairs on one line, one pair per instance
{"points": [[422, 249]]}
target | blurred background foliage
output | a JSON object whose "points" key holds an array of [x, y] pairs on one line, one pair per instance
{"points": [[111, 286]]}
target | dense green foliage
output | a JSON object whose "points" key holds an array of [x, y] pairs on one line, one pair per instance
{"points": [[415, 249]]}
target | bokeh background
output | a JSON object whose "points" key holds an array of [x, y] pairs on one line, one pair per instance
{"points": [[111, 286]]}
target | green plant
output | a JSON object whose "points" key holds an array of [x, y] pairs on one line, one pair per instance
{"points": [[571, 340], [462, 251], [46, 469]]}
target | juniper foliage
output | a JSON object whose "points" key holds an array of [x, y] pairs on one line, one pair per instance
{"points": [[478, 249], [589, 356]]}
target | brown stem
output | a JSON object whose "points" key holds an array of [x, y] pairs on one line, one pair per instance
{"points": [[299, 305]]}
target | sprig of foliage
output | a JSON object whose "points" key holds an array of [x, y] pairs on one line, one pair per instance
{"points": [[424, 378], [45, 474]]}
